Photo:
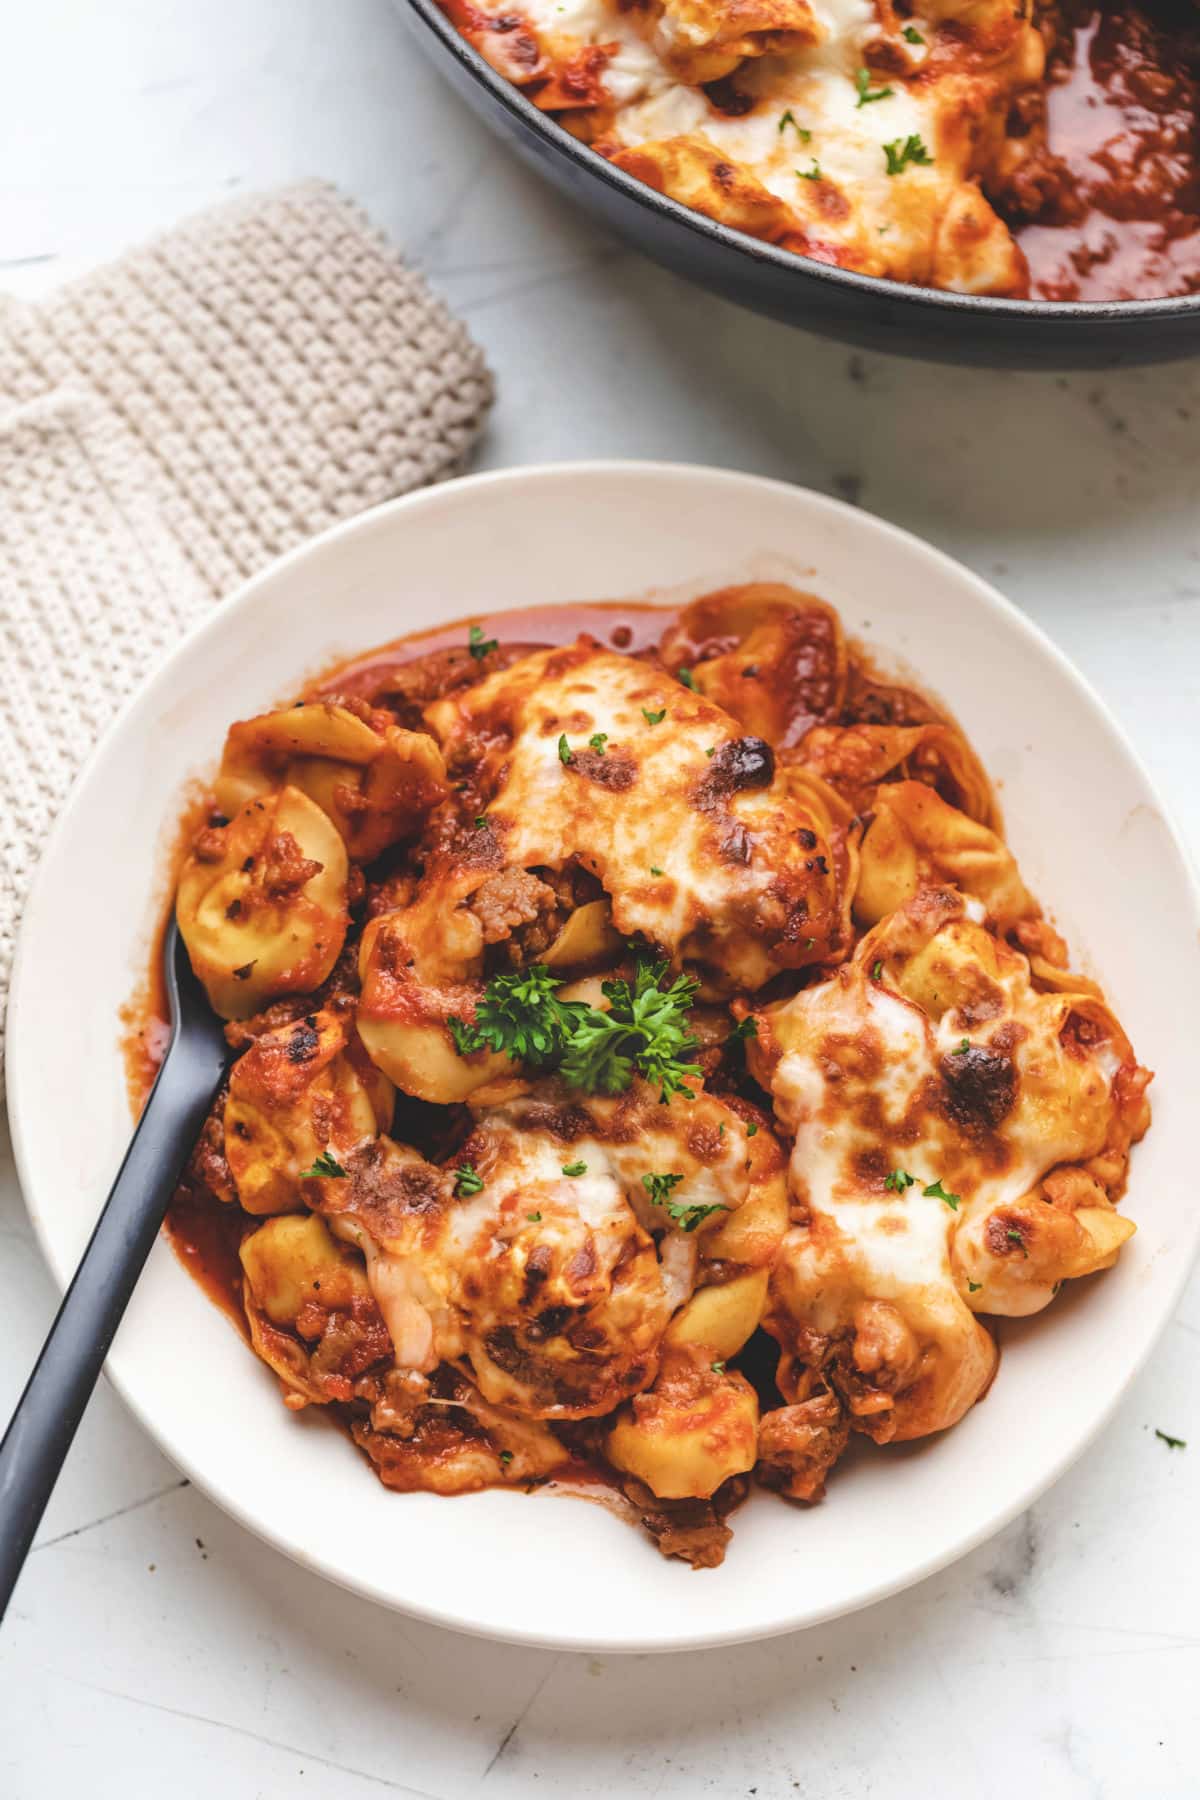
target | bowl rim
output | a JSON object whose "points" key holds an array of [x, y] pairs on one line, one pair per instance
{"points": [[1062, 313], [214, 1482]]}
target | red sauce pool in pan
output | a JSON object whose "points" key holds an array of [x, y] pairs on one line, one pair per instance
{"points": [[1123, 105]]}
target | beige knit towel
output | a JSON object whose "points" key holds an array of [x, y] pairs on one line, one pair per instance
{"points": [[170, 424]]}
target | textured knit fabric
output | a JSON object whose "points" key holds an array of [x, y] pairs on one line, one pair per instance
{"points": [[170, 424]]}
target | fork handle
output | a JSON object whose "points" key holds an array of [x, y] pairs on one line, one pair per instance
{"points": [[48, 1412]]}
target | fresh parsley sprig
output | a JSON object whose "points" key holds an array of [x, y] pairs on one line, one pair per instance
{"points": [[520, 1015], [645, 1030]]}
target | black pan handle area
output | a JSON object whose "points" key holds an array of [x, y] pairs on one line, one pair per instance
{"points": [[47, 1416]]}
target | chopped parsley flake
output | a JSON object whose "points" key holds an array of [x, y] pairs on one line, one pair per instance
{"points": [[688, 679], [711, 751], [478, 645], [813, 174], [655, 871], [575, 1168], [480, 822], [963, 1047], [745, 1028], [597, 741], [325, 1168], [564, 750], [935, 1191], [862, 82], [752, 1130], [718, 1368], [534, 1218], [654, 718], [899, 1179], [467, 1180], [659, 1187], [506, 1457], [911, 35], [1172, 1443], [877, 972], [901, 151], [973, 1287], [789, 118], [688, 1217], [1014, 1237]]}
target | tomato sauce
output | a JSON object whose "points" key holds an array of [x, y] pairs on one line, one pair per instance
{"points": [[1121, 214]]}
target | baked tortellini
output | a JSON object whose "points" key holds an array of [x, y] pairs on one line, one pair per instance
{"points": [[891, 141], [303, 1092], [375, 780], [262, 902], [651, 1065], [959, 1139]]}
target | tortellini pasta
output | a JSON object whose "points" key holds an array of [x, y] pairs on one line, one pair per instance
{"points": [[377, 782], [949, 1121], [261, 902], [304, 1091]]}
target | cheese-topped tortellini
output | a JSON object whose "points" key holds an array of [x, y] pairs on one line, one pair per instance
{"points": [[775, 659], [881, 139], [915, 839], [569, 1240], [377, 782], [261, 902], [605, 788], [703, 40], [695, 1429], [959, 1141], [303, 1092], [309, 1309]]}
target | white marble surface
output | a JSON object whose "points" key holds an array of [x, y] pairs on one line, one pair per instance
{"points": [[152, 1646]]}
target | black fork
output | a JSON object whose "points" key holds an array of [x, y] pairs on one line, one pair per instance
{"points": [[48, 1413]]}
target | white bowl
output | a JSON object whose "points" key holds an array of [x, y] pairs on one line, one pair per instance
{"points": [[1093, 844]]}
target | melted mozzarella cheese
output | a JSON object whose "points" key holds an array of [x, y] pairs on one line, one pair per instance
{"points": [[919, 1176], [708, 865], [554, 1289]]}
